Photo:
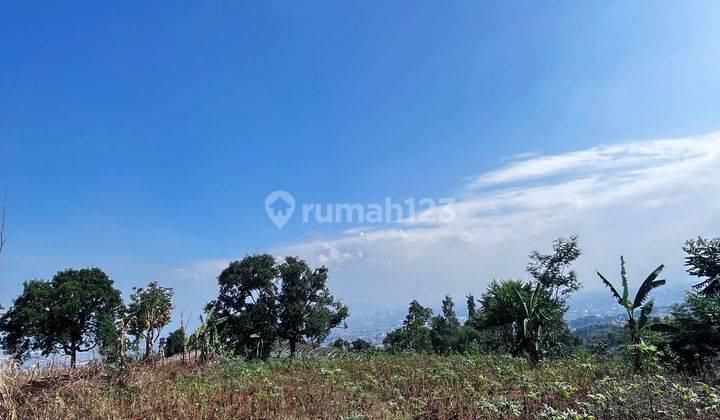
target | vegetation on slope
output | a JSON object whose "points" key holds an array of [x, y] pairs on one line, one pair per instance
{"points": [[371, 385]]}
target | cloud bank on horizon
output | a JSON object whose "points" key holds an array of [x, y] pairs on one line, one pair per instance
{"points": [[642, 199]]}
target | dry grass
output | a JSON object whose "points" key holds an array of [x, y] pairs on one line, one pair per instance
{"points": [[370, 386]]}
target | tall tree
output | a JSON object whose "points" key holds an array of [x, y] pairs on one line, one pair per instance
{"points": [[471, 306], [637, 324], [150, 310], [307, 309], [247, 304], [415, 332], [444, 327], [553, 270], [74, 312], [448, 310], [703, 260]]}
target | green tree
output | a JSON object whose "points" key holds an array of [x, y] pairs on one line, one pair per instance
{"points": [[703, 260], [502, 315], [695, 334], [307, 309], [341, 344], [499, 311], [471, 306], [444, 328], [414, 334], [74, 312], [174, 343], [637, 324], [247, 303], [149, 311], [553, 270], [360, 345]]}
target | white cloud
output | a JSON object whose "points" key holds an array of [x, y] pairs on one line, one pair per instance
{"points": [[201, 271], [640, 198]]}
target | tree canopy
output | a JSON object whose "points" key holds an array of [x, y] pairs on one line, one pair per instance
{"points": [[307, 309], [703, 260], [150, 310], [263, 301], [74, 312]]}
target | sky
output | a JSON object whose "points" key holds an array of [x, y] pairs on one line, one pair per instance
{"points": [[144, 138]]}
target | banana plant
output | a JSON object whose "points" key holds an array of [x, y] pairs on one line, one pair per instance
{"points": [[532, 321], [637, 325], [207, 337]]}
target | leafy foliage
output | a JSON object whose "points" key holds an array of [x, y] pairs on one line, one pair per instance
{"points": [[696, 334], [372, 385], [247, 302], [74, 312], [307, 310], [360, 344], [553, 272], [262, 302], [471, 306], [703, 260], [637, 325], [444, 328], [207, 338], [150, 310], [415, 332], [175, 343]]}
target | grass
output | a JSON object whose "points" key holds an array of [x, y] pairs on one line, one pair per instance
{"points": [[366, 386]]}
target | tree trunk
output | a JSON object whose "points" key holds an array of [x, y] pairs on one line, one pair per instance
{"points": [[148, 346], [293, 345], [73, 355]]}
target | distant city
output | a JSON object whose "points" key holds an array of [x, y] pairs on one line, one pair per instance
{"points": [[586, 308]]}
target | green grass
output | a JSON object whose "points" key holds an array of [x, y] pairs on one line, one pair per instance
{"points": [[368, 386]]}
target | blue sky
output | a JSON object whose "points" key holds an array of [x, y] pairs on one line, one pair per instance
{"points": [[144, 138]]}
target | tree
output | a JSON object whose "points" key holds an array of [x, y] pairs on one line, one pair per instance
{"points": [[74, 312], [471, 306], [695, 337], [502, 315], [361, 345], [443, 328], [553, 271], [341, 344], [149, 311], [703, 260], [247, 303], [415, 332], [307, 310], [448, 310], [174, 343], [637, 326]]}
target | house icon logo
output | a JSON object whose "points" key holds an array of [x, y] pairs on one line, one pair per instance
{"points": [[279, 206]]}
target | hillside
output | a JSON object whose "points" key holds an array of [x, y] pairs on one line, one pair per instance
{"points": [[362, 386]]}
